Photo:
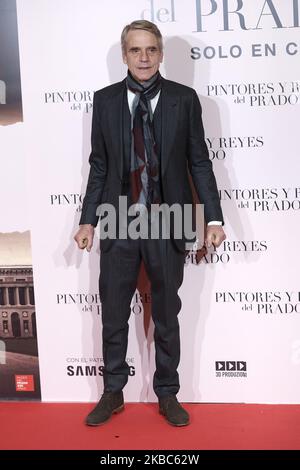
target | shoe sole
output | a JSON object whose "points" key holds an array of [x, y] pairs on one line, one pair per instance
{"points": [[177, 425], [115, 411]]}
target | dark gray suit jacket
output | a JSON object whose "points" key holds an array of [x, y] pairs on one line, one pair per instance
{"points": [[183, 148]]}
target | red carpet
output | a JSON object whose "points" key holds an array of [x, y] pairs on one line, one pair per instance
{"points": [[221, 426]]}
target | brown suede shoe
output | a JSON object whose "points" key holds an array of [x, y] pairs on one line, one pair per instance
{"points": [[174, 413], [110, 403]]}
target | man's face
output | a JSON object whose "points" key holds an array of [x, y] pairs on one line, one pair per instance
{"points": [[142, 54]]}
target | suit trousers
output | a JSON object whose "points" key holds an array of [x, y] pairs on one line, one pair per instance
{"points": [[119, 269]]}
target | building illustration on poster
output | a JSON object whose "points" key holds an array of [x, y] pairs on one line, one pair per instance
{"points": [[19, 368]]}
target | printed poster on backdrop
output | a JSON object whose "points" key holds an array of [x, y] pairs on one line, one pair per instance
{"points": [[19, 364]]}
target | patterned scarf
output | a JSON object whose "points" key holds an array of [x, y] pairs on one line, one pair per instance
{"points": [[144, 166]]}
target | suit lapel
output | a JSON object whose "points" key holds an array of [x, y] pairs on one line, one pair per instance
{"points": [[115, 119], [170, 109]]}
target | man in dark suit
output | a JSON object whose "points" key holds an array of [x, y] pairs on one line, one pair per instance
{"points": [[146, 133]]}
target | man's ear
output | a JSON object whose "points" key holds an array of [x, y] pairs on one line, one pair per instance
{"points": [[124, 58]]}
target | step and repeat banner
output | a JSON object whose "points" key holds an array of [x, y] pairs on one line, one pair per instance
{"points": [[240, 317]]}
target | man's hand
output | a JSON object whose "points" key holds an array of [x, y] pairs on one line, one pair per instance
{"points": [[215, 235], [84, 237]]}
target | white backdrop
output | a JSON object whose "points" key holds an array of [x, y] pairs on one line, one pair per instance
{"points": [[240, 322]]}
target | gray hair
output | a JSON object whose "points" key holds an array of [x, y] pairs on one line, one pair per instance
{"points": [[144, 25]]}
